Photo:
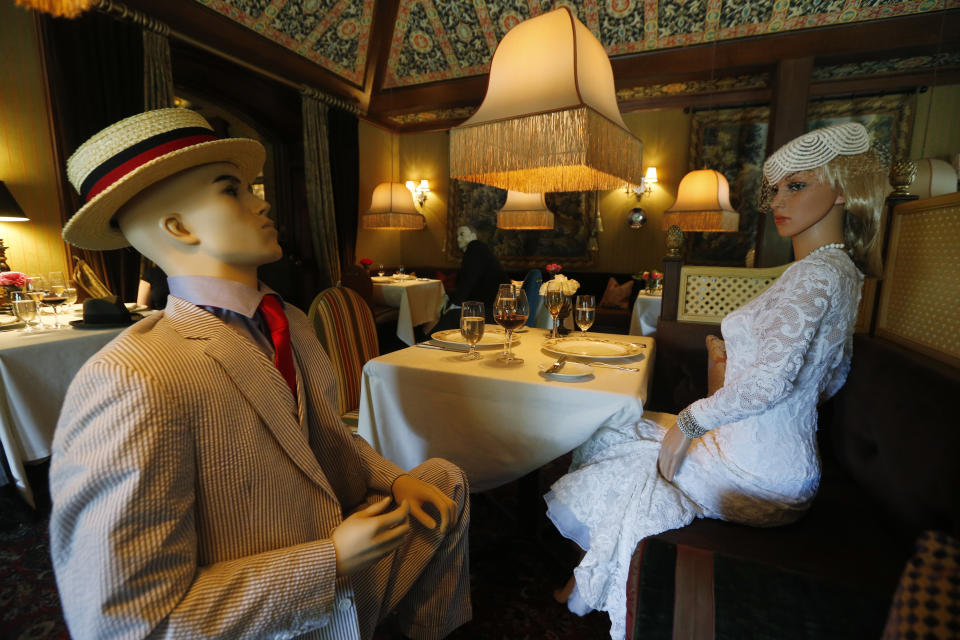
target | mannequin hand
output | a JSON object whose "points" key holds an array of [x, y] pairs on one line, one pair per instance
{"points": [[417, 493], [673, 450], [369, 534]]}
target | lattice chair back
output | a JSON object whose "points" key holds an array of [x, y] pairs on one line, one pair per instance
{"points": [[920, 291], [531, 285], [345, 327], [707, 294]]}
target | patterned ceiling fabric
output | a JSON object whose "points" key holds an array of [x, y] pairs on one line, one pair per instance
{"points": [[334, 34], [437, 40]]}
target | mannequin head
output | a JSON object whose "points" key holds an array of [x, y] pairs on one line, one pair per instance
{"points": [[465, 235], [830, 185], [202, 221]]}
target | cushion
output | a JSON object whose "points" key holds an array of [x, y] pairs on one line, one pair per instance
{"points": [[617, 296], [448, 278], [716, 363]]}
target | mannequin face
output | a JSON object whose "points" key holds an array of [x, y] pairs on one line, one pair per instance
{"points": [[465, 235], [801, 201], [202, 221]]}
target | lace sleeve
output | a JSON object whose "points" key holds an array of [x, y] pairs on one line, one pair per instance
{"points": [[783, 332]]}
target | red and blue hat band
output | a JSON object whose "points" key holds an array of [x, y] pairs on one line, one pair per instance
{"points": [[137, 155]]}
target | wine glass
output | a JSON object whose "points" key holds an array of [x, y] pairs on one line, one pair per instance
{"points": [[584, 311], [471, 327], [37, 288], [380, 270], [57, 283], [54, 300], [25, 308], [510, 310], [400, 271], [554, 301]]}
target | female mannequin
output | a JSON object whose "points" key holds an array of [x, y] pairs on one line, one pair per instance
{"points": [[748, 452]]}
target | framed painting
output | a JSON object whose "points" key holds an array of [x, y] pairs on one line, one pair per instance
{"points": [[477, 205], [733, 142]]}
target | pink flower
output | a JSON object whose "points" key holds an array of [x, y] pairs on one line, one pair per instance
{"points": [[646, 275], [12, 279], [366, 262], [657, 275], [553, 267]]}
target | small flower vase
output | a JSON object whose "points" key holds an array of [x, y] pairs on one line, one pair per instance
{"points": [[563, 315]]}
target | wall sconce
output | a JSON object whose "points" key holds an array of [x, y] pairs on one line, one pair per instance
{"points": [[648, 179], [419, 190]]}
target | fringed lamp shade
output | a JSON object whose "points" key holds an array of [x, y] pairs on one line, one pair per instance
{"points": [[549, 120], [59, 8], [524, 211], [392, 208], [703, 204]]}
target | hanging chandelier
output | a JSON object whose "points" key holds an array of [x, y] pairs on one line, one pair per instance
{"points": [[549, 120], [525, 211], [703, 204], [392, 208]]}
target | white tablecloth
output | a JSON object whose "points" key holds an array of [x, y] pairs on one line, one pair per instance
{"points": [[646, 312], [497, 422], [418, 302], [36, 369]]}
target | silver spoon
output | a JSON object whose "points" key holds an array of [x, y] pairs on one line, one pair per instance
{"points": [[556, 366]]}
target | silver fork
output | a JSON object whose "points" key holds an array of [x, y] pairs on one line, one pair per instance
{"points": [[556, 366], [613, 366]]}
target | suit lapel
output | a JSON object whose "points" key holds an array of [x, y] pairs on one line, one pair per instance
{"points": [[255, 377]]}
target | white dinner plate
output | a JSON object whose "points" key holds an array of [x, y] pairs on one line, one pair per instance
{"points": [[381, 278], [492, 337], [570, 371], [598, 348]]}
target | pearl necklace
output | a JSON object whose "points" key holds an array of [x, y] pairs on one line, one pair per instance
{"points": [[832, 245]]}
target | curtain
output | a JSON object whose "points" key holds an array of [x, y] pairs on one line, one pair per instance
{"points": [[95, 64], [345, 175], [319, 183]]}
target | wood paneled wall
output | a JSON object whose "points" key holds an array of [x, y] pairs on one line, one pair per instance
{"points": [[26, 160]]}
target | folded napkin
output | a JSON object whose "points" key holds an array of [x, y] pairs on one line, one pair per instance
{"points": [[108, 310]]}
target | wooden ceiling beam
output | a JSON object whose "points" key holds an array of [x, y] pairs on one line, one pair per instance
{"points": [[378, 51]]}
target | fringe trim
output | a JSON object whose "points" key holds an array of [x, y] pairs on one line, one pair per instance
{"points": [[525, 220], [393, 221], [59, 8], [574, 149], [703, 220]]}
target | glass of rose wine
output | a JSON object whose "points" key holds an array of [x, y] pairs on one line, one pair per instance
{"points": [[584, 311], [554, 302], [510, 311], [471, 327]]}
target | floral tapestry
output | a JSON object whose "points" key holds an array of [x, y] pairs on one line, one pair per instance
{"points": [[477, 205], [734, 142], [889, 119]]}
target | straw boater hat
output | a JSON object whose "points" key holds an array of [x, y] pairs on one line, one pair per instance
{"points": [[815, 149], [125, 158]]}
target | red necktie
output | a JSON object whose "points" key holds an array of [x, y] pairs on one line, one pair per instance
{"points": [[272, 310]]}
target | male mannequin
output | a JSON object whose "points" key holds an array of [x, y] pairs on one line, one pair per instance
{"points": [[479, 277], [200, 489]]}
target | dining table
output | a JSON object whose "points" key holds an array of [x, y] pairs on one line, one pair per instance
{"points": [[499, 421], [646, 313], [36, 368], [418, 301]]}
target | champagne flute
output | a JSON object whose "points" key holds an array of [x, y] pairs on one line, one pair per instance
{"points": [[471, 327], [25, 308], [554, 301], [510, 310], [584, 312]]}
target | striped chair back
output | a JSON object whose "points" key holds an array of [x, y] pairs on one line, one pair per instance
{"points": [[345, 327]]}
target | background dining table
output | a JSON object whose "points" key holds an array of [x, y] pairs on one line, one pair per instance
{"points": [[646, 312], [418, 301], [497, 422], [36, 368]]}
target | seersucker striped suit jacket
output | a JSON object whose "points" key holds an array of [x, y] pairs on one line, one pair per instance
{"points": [[193, 498]]}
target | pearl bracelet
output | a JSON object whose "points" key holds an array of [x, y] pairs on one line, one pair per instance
{"points": [[688, 424]]}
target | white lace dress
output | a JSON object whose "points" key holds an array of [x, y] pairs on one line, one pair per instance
{"points": [[787, 350]]}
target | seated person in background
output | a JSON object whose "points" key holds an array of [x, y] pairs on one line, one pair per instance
{"points": [[153, 290], [203, 484], [748, 452], [479, 278]]}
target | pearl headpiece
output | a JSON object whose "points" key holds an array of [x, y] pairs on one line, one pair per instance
{"points": [[815, 149]]}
